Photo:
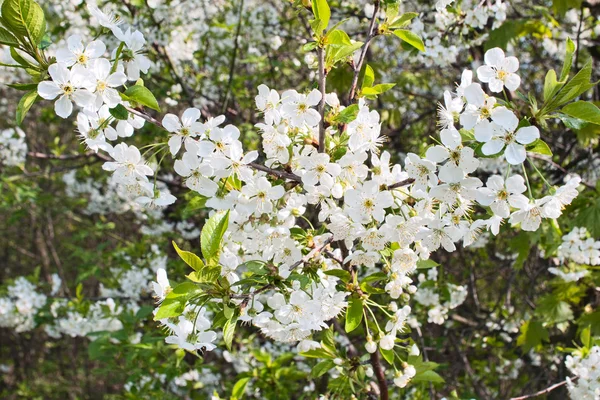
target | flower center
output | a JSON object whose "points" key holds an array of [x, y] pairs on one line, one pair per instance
{"points": [[82, 59], [68, 89], [502, 75], [101, 86]]}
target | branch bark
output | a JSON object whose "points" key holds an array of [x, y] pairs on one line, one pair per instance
{"points": [[379, 374], [322, 88], [370, 35]]}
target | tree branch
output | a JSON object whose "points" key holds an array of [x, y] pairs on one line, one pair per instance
{"points": [[378, 370], [322, 88], [541, 392], [370, 35]]}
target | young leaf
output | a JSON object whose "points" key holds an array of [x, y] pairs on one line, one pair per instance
{"points": [[551, 85], [190, 258], [119, 112], [583, 110], [564, 73], [340, 273], [25, 18], [25, 104], [239, 388], [403, 20], [322, 14], [354, 314], [228, 331], [143, 96], [212, 233], [321, 368], [369, 77], [411, 38], [539, 147], [7, 38], [377, 89]]}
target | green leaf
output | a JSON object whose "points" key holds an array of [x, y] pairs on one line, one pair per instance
{"points": [[212, 234], [368, 78], [354, 314], [533, 334], [403, 20], [583, 110], [589, 216], [321, 368], [585, 336], [23, 86], [239, 389], [337, 37], [142, 96], [570, 50], [25, 104], [551, 85], [377, 89], [7, 38], [411, 38], [25, 18], [119, 112], [170, 308], [553, 311], [539, 147], [388, 355], [340, 273], [348, 114], [345, 51], [317, 353], [228, 331], [322, 13], [426, 264], [428, 376], [190, 258], [579, 84]]}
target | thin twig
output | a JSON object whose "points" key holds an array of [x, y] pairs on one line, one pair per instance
{"points": [[311, 254], [370, 35], [541, 392], [321, 108], [378, 370]]}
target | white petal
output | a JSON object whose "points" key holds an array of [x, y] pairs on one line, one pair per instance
{"points": [[474, 94], [63, 107], [48, 90], [515, 153], [494, 56], [494, 146], [512, 82], [516, 184], [505, 118], [527, 134], [485, 73], [190, 116], [437, 154], [95, 49], [171, 123], [496, 85], [510, 64]]}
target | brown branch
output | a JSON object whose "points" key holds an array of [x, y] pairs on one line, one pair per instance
{"points": [[370, 35], [397, 185], [322, 88], [378, 370], [311, 254], [541, 392]]}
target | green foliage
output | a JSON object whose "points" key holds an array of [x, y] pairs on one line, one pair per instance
{"points": [[140, 95], [354, 314], [411, 38], [212, 235], [25, 104], [25, 18]]}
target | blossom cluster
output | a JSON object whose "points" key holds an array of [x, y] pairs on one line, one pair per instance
{"points": [[585, 369], [13, 148]]}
